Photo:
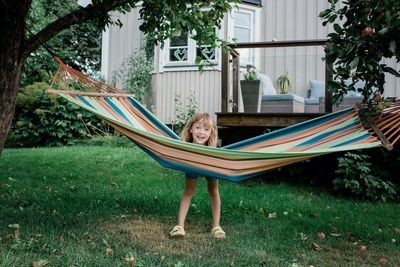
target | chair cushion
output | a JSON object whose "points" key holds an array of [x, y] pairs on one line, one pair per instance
{"points": [[317, 89], [266, 84], [283, 97], [311, 101]]}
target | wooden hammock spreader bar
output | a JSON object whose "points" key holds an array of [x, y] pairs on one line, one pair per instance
{"points": [[93, 84], [56, 92], [381, 136]]}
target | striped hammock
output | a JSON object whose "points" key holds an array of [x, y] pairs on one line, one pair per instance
{"points": [[339, 131]]}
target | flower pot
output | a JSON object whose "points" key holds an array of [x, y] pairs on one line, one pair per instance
{"points": [[250, 93]]}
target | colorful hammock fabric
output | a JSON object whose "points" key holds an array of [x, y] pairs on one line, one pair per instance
{"points": [[340, 131]]}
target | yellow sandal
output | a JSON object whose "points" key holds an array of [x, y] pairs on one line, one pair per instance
{"points": [[217, 232], [177, 231]]}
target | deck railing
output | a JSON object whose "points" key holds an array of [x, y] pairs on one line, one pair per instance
{"points": [[234, 57]]}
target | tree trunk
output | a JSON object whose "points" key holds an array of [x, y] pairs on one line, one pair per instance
{"points": [[12, 31], [9, 83]]}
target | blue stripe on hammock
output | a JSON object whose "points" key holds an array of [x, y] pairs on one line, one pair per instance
{"points": [[322, 136], [288, 130], [180, 167], [152, 118], [111, 104], [362, 137], [82, 99]]}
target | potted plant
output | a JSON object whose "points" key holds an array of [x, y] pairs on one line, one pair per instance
{"points": [[284, 83], [250, 88]]}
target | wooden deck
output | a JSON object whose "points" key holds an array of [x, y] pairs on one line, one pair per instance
{"points": [[267, 120]]}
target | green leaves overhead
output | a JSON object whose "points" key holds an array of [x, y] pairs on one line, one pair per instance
{"points": [[368, 31], [164, 18]]}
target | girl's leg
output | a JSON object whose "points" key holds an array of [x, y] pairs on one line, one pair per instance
{"points": [[190, 188], [213, 191]]}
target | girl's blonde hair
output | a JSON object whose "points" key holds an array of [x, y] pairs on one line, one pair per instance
{"points": [[187, 136]]}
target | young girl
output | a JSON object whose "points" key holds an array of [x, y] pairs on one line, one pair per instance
{"points": [[199, 130]]}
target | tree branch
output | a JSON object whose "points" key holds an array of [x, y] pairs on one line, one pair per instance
{"points": [[75, 17]]}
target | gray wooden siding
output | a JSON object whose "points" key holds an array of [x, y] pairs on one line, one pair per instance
{"points": [[204, 87], [121, 42], [293, 20]]}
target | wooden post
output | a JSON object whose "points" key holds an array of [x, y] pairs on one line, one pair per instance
{"points": [[224, 80], [328, 77], [235, 80]]}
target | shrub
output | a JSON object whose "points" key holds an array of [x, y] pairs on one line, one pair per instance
{"points": [[135, 75], [184, 112], [356, 174], [45, 120]]}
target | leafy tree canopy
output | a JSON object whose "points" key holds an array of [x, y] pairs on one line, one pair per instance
{"points": [[79, 46], [160, 18], [365, 32]]}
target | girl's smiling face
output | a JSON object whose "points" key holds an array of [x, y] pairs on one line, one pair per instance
{"points": [[201, 132]]}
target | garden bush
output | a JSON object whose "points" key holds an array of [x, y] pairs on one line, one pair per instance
{"points": [[356, 174], [41, 119], [135, 75]]}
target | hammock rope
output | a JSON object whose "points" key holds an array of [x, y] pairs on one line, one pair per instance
{"points": [[339, 131]]}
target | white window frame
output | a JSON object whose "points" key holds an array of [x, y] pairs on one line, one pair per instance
{"points": [[255, 14], [167, 65]]}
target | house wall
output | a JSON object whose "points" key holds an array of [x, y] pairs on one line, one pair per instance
{"points": [[119, 43], [280, 19], [203, 87], [293, 20]]}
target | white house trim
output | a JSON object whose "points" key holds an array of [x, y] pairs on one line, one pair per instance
{"points": [[105, 45]]}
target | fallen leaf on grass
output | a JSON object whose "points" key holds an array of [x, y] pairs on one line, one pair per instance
{"points": [[303, 236], [383, 261], [130, 260], [17, 233], [321, 235], [109, 251], [315, 246], [362, 248], [40, 263]]}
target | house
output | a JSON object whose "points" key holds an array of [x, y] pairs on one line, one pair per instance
{"points": [[176, 74]]}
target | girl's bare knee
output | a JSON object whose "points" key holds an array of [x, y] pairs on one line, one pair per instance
{"points": [[212, 188], [213, 192], [188, 191]]}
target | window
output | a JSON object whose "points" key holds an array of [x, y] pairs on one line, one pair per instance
{"points": [[178, 48], [206, 52], [245, 28], [180, 53]]}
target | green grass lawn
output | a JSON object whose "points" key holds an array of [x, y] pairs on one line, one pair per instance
{"points": [[96, 206]]}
